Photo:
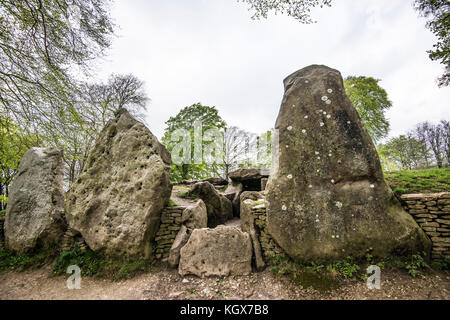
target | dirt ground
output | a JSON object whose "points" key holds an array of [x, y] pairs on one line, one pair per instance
{"points": [[167, 284]]}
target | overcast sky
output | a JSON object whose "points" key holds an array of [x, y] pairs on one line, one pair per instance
{"points": [[211, 51]]}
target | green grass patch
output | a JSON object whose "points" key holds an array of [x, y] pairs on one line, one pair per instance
{"points": [[419, 181], [172, 203], [2, 212], [95, 265], [33, 260], [181, 187], [187, 195]]}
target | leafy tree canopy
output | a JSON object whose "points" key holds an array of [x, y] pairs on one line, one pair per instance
{"points": [[438, 12], [298, 9], [371, 101], [210, 119], [41, 41]]}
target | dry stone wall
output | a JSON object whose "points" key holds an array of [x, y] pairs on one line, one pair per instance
{"points": [[171, 221], [269, 247], [432, 213]]}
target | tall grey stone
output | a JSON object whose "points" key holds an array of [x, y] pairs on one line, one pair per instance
{"points": [[35, 211], [328, 198], [117, 201]]}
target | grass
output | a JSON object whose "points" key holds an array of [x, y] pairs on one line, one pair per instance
{"points": [[419, 181], [172, 203], [90, 263], [95, 265], [324, 278], [2, 212], [186, 195], [181, 188], [33, 260]]}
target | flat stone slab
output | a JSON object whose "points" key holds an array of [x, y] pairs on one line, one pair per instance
{"points": [[219, 252]]}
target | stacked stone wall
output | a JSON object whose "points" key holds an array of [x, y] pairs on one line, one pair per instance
{"points": [[432, 213], [269, 247], [168, 230]]}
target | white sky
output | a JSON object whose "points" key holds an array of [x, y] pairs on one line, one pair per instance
{"points": [[210, 51]]}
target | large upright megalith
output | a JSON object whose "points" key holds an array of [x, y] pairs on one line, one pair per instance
{"points": [[116, 202], [35, 212], [327, 198]]}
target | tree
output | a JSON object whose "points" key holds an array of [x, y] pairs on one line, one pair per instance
{"points": [[237, 145], [404, 150], [421, 136], [371, 101], [438, 12], [97, 104], [298, 9], [41, 42], [435, 139], [13, 144], [191, 122], [446, 139]]}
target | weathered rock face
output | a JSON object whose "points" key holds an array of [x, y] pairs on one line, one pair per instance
{"points": [[35, 211], [222, 251], [219, 208], [195, 216], [247, 219], [328, 198], [180, 240], [116, 202], [233, 193]]}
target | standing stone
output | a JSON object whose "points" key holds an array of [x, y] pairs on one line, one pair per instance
{"points": [[233, 193], [35, 211], [218, 207], [219, 252], [327, 198], [195, 216], [179, 242], [117, 201]]}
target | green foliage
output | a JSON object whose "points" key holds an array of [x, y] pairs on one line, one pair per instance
{"points": [[298, 9], [14, 142], [418, 181], [371, 101], [414, 266], [438, 12], [442, 264], [319, 276], [187, 195], [2, 212], [39, 40], [343, 269], [33, 260], [95, 265], [210, 119], [404, 151], [172, 203]]}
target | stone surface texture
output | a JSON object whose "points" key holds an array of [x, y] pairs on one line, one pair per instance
{"points": [[327, 199], [35, 211], [219, 252], [117, 201]]}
